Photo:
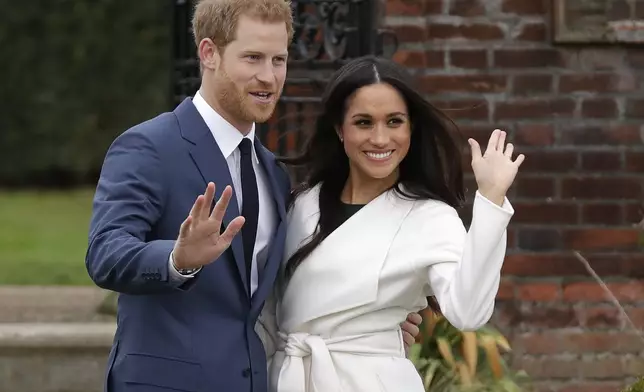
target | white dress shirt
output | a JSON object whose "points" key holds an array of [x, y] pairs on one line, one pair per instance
{"points": [[228, 139]]}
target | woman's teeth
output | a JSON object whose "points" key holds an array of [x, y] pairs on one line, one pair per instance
{"points": [[379, 155]]}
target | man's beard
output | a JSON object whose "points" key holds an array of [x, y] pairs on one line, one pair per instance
{"points": [[239, 105]]}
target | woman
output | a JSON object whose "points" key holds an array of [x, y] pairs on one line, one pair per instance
{"points": [[374, 231]]}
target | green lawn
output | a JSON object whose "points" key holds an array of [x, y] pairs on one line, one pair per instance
{"points": [[43, 237]]}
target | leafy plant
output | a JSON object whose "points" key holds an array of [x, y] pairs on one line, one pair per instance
{"points": [[637, 387], [450, 360]]}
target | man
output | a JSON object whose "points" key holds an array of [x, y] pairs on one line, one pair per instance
{"points": [[191, 288]]}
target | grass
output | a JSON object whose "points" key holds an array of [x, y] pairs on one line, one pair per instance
{"points": [[43, 237]]}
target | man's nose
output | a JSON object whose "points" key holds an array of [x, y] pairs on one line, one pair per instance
{"points": [[266, 73]]}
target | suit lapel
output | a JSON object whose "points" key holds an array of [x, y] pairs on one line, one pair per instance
{"points": [[213, 167], [273, 259]]}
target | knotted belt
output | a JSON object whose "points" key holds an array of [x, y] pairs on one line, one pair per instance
{"points": [[323, 375]]}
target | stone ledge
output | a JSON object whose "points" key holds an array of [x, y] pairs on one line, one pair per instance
{"points": [[57, 335]]}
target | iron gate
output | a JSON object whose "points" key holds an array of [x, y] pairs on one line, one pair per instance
{"points": [[326, 34]]}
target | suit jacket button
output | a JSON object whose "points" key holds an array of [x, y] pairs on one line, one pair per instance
{"points": [[246, 373]]}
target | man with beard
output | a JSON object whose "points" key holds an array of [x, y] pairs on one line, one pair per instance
{"points": [[191, 288]]}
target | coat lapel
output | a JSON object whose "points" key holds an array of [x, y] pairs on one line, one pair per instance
{"points": [[213, 167], [343, 272]]}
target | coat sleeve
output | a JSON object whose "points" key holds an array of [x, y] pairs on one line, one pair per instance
{"points": [[463, 268], [129, 201]]}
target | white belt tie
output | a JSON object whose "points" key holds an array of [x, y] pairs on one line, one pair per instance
{"points": [[323, 376]]}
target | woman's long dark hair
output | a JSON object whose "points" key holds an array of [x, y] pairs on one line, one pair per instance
{"points": [[432, 168]]}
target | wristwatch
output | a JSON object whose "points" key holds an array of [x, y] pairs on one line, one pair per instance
{"points": [[182, 271]]}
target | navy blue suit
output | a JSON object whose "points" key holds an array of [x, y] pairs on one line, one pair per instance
{"points": [[197, 336]]}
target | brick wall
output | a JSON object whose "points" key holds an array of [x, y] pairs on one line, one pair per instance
{"points": [[576, 113]]}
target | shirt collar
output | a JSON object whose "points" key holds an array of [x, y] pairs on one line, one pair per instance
{"points": [[225, 134]]}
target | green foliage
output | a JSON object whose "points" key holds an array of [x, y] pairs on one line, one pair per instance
{"points": [[450, 360], [637, 387], [76, 74]]}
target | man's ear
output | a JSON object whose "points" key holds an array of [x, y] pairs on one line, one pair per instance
{"points": [[209, 54]]}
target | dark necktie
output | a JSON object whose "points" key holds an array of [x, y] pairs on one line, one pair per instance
{"points": [[250, 203]]}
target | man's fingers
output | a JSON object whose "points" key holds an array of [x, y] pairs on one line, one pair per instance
{"points": [[231, 231], [222, 204], [196, 208], [208, 197], [409, 340], [415, 318], [184, 229], [519, 160]]}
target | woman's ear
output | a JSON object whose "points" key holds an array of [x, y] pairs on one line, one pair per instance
{"points": [[338, 132]]}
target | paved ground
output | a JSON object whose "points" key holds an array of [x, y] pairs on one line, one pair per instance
{"points": [[30, 304]]}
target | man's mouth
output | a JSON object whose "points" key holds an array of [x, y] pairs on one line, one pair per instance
{"points": [[262, 96]]}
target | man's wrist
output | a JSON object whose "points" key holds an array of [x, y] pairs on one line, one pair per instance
{"points": [[182, 271]]}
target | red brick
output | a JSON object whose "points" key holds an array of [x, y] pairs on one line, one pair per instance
{"points": [[418, 59], [409, 33], [620, 134], [539, 239], [465, 109], [524, 7], [527, 58], [599, 108], [512, 238], [600, 317], [408, 7], [597, 82], [634, 161], [633, 213], [542, 343], [625, 292], [551, 161], [473, 31], [533, 32], [566, 265], [532, 84], [551, 368], [468, 59], [506, 290], [536, 315], [535, 134], [601, 161], [603, 214], [463, 83], [534, 109], [564, 342], [480, 133], [539, 292], [467, 8], [542, 265], [545, 213], [535, 187], [634, 108], [592, 188], [636, 314], [608, 239]]}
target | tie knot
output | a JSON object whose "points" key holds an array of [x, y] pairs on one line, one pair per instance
{"points": [[245, 146]]}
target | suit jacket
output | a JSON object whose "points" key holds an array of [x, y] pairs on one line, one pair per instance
{"points": [[192, 337], [338, 316]]}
